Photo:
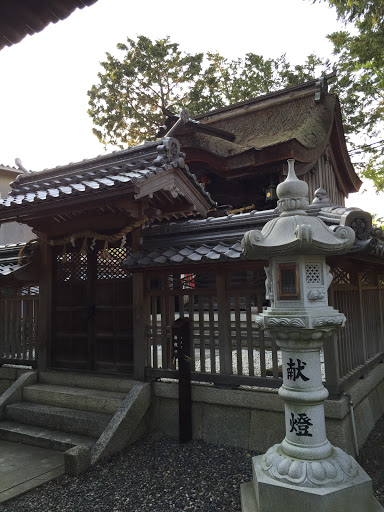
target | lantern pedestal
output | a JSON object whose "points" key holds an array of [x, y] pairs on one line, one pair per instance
{"points": [[304, 473], [264, 494]]}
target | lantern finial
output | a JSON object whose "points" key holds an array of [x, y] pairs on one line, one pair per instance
{"points": [[292, 194]]}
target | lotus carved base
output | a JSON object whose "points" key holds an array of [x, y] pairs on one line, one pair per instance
{"points": [[333, 470]]}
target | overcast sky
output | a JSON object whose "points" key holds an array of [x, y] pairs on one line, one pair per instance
{"points": [[45, 78]]}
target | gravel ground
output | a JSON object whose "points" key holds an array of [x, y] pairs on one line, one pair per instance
{"points": [[150, 476], [372, 459], [159, 475]]}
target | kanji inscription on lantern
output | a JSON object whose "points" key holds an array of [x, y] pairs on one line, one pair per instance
{"points": [[300, 424], [294, 370]]}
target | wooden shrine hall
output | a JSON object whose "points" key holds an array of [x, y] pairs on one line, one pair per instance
{"points": [[88, 218], [128, 242]]}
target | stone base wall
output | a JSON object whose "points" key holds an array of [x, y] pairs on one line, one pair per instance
{"points": [[8, 376], [254, 419]]}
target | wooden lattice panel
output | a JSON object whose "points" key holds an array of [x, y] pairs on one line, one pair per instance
{"points": [[367, 279], [71, 266], [29, 290], [340, 276], [110, 268], [23, 291]]}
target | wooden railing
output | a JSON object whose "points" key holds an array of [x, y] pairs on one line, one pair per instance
{"points": [[227, 346], [360, 345], [18, 325]]}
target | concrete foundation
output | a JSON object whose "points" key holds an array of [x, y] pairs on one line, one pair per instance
{"points": [[254, 418], [258, 422]]}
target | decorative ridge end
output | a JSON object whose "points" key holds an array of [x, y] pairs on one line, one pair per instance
{"points": [[168, 152]]}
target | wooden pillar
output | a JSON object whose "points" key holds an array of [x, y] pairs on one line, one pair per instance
{"points": [[331, 355], [44, 343], [380, 293], [224, 323], [363, 352], [91, 307], [136, 240], [139, 319]]}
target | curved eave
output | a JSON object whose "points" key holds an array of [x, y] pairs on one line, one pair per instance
{"points": [[254, 157], [347, 177], [25, 210]]}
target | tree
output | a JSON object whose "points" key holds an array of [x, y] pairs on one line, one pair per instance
{"points": [[360, 84], [126, 105]]}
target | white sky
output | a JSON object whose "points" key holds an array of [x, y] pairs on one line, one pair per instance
{"points": [[45, 78]]}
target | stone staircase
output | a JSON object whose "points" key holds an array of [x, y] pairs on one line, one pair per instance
{"points": [[86, 416]]}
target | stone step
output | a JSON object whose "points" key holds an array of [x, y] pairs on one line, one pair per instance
{"points": [[43, 437], [94, 400], [73, 421], [84, 380]]}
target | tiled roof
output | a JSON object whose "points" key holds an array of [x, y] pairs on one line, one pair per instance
{"points": [[188, 254], [105, 173], [9, 255], [196, 241], [215, 240], [9, 169]]}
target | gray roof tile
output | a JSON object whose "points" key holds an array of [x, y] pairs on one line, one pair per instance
{"points": [[197, 254], [119, 168], [218, 239], [9, 258]]}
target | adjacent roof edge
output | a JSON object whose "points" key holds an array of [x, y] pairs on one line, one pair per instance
{"points": [[341, 153], [219, 239], [20, 18], [8, 168], [128, 171], [9, 259]]}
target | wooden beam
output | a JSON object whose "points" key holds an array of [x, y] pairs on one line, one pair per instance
{"points": [[99, 224], [139, 320]]}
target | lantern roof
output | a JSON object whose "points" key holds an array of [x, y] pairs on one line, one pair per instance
{"points": [[294, 232]]}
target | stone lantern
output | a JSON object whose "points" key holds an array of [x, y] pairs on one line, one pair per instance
{"points": [[304, 472]]}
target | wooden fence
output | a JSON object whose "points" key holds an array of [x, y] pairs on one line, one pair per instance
{"points": [[18, 325], [227, 346], [360, 345]]}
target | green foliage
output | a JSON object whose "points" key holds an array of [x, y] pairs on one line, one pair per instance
{"points": [[378, 222], [360, 85], [126, 105]]}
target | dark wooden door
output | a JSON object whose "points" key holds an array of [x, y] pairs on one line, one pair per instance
{"points": [[92, 311], [113, 320]]}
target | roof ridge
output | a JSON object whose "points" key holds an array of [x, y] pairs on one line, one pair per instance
{"points": [[270, 95]]}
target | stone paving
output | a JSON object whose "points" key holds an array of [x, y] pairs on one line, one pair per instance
{"points": [[24, 467]]}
